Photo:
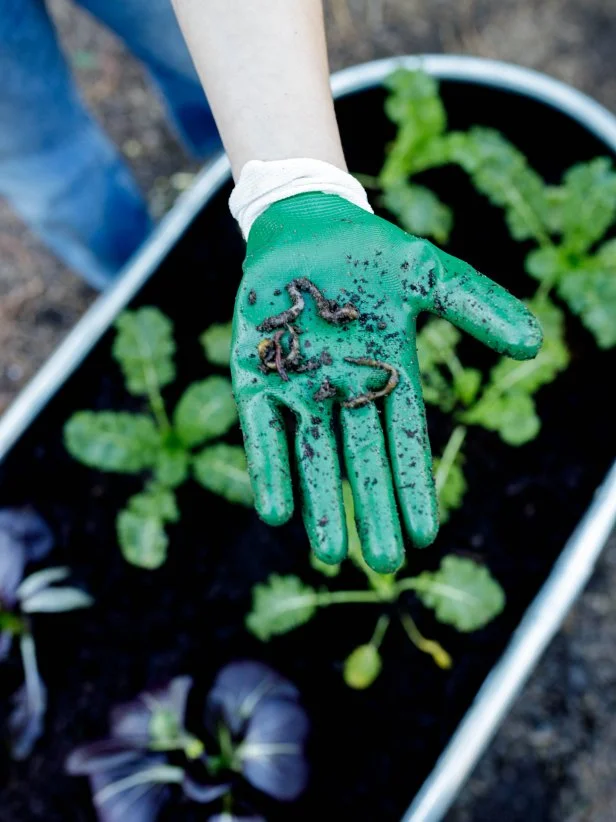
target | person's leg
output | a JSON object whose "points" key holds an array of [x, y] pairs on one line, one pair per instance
{"points": [[57, 168], [151, 31]]}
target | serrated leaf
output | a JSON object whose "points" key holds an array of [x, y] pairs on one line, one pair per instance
{"points": [[223, 470], [171, 467], [280, 605], [506, 406], [501, 172], [156, 502], [205, 411], [590, 292], [216, 342], [511, 414], [436, 348], [584, 207], [144, 348], [461, 593], [362, 667], [112, 441], [414, 104], [323, 567], [419, 211], [142, 539], [436, 343], [553, 357], [56, 600]]}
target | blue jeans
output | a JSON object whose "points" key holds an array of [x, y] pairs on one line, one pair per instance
{"points": [[58, 169]]}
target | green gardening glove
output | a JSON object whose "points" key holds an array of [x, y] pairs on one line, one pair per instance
{"points": [[325, 325]]}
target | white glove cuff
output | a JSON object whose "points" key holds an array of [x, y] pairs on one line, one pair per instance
{"points": [[262, 183]]}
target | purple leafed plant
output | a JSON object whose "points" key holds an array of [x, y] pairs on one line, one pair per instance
{"points": [[257, 730], [25, 538]]}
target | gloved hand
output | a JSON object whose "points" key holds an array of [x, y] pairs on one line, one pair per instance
{"points": [[324, 325]]}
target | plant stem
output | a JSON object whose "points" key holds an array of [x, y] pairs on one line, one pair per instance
{"points": [[325, 598], [157, 775], [381, 629], [157, 406], [426, 646], [452, 449], [228, 758]]}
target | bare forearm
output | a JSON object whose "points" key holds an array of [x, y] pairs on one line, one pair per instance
{"points": [[263, 64]]}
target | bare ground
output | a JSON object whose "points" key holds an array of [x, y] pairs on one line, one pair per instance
{"points": [[553, 759]]}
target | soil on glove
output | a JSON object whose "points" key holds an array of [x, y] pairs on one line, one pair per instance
{"points": [[370, 751]]}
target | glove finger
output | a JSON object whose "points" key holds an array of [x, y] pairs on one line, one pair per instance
{"points": [[484, 309], [370, 477], [319, 475], [267, 454], [411, 459]]}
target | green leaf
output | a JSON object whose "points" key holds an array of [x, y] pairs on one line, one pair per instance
{"points": [[144, 348], [205, 411], [171, 467], [419, 211], [553, 357], [56, 601], [590, 292], [452, 490], [155, 502], [110, 441], [142, 539], [362, 667], [280, 605], [436, 343], [216, 342], [547, 264], [584, 207], [466, 383], [511, 414], [223, 470], [501, 172], [436, 351], [461, 593], [506, 405], [323, 567], [414, 104]]}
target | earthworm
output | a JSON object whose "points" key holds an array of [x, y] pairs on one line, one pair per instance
{"points": [[272, 354], [278, 355], [371, 396], [328, 309]]}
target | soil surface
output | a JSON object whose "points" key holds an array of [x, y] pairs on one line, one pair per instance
{"points": [[553, 759]]}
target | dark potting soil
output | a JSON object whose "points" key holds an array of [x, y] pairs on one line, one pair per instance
{"points": [[370, 751]]}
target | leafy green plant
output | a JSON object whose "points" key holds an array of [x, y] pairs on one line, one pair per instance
{"points": [[166, 448], [461, 594], [566, 225]]}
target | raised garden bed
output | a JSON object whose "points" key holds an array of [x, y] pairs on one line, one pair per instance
{"points": [[370, 751]]}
